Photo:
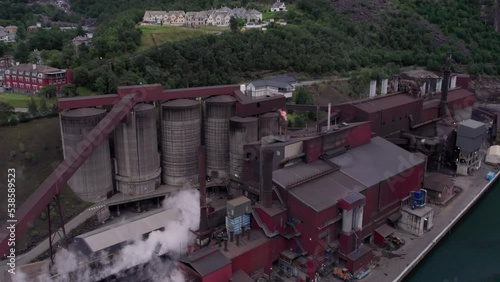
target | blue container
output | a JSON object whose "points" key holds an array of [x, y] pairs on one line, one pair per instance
{"points": [[418, 198], [490, 176]]}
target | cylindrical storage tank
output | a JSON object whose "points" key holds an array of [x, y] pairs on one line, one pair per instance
{"points": [[180, 141], [242, 131], [136, 152], [218, 111], [268, 124], [92, 182]]}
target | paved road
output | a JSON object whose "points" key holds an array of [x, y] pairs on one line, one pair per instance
{"points": [[20, 110], [388, 269], [311, 82]]}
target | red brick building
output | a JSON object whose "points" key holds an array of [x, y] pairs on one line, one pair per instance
{"points": [[27, 78]]}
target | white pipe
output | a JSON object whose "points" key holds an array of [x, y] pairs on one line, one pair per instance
{"points": [[329, 114]]}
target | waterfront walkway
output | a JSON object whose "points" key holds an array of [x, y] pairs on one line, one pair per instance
{"points": [[407, 257]]}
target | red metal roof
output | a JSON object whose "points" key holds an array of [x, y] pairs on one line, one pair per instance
{"points": [[383, 102]]}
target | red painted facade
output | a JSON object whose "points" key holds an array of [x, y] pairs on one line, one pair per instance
{"points": [[31, 78], [262, 257], [221, 275]]}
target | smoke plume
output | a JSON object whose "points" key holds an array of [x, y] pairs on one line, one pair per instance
{"points": [[141, 255]]}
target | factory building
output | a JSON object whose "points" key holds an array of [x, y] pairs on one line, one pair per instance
{"points": [[296, 201]]}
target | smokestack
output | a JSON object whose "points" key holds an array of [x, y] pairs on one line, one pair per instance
{"points": [[373, 89], [439, 84], [422, 89], [444, 87], [453, 83], [383, 88], [329, 114], [203, 189], [395, 84], [266, 169]]}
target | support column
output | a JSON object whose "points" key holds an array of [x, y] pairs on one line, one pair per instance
{"points": [[383, 89], [347, 220], [359, 218]]}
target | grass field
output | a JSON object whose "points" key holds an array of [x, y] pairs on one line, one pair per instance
{"points": [[82, 91], [166, 34], [42, 139], [17, 100]]}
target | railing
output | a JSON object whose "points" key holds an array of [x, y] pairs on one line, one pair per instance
{"points": [[279, 196], [263, 226]]}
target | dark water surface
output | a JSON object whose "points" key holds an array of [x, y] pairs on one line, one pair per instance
{"points": [[471, 252]]}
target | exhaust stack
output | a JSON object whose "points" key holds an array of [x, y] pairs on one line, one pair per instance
{"points": [[443, 111], [266, 167]]}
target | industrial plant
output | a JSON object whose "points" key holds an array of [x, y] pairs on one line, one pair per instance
{"points": [[304, 204]]}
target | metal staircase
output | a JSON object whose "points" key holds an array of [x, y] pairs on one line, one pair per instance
{"points": [[264, 226], [301, 247]]}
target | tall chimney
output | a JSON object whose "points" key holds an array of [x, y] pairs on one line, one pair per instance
{"points": [[444, 87], [373, 89], [453, 83], [203, 190], [423, 87], [383, 87], [266, 168], [439, 84]]}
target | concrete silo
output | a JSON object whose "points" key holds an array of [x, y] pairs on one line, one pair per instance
{"points": [[180, 141], [218, 111], [136, 152], [242, 131], [92, 182]]}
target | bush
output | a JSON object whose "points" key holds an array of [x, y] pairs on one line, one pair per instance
{"points": [[12, 154], [28, 156], [22, 148]]}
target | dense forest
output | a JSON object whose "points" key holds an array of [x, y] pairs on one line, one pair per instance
{"points": [[320, 39]]}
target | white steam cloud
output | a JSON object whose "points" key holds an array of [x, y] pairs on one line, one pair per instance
{"points": [[173, 240]]}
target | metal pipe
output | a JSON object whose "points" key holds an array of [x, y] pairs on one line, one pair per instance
{"points": [[329, 113], [225, 245], [231, 235], [203, 189], [238, 240]]}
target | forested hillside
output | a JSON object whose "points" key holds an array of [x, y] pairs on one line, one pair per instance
{"points": [[323, 37]]}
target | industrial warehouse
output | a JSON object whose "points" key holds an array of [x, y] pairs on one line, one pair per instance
{"points": [[303, 205]]}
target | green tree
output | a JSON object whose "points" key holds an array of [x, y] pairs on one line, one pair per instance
{"points": [[81, 75], [22, 52], [233, 23], [43, 107], [32, 107], [303, 97], [48, 91], [69, 90], [3, 49], [6, 111]]}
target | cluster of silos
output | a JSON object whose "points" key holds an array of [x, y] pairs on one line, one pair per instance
{"points": [[218, 111], [136, 152], [180, 141], [92, 182], [243, 130]]}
